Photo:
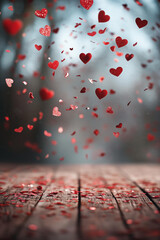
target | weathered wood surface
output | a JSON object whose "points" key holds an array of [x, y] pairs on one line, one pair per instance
{"points": [[107, 202]]}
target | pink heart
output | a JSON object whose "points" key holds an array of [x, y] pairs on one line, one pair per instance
{"points": [[56, 112], [9, 82], [46, 31]]}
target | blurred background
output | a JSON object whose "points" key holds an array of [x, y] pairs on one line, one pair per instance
{"points": [[133, 96]]}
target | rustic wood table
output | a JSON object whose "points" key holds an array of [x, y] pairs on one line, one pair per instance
{"points": [[77, 202]]}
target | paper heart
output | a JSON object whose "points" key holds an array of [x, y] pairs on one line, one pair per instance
{"points": [[46, 31], [46, 94], [41, 13], [87, 4], [116, 134], [9, 82], [116, 72], [38, 47], [18, 130], [141, 23], [121, 42], [12, 26], [54, 65], [129, 56], [119, 125], [85, 58], [56, 112], [109, 110], [102, 17], [101, 93]]}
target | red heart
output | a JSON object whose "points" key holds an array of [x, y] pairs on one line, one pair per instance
{"points": [[119, 125], [12, 26], [101, 93], [85, 58], [116, 134], [121, 42], [41, 13], [129, 56], [38, 47], [116, 72], [54, 65], [96, 132], [141, 23], [102, 17], [87, 4], [46, 31], [46, 94], [18, 130]]}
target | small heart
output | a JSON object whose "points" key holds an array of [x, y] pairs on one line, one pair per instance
{"points": [[56, 112], [91, 34], [10, 8], [116, 72], [9, 82], [54, 65], [85, 58], [46, 31], [18, 130], [83, 90], [102, 17], [30, 127], [41, 13], [12, 26], [38, 47], [141, 23], [109, 110], [96, 132], [119, 125], [129, 56], [87, 4], [46, 94], [116, 134], [101, 93], [121, 42]]}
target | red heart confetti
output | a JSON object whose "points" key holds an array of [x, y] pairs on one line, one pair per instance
{"points": [[12, 26], [96, 132], [119, 125], [54, 65], [116, 134], [38, 47], [56, 112], [101, 93], [141, 23], [41, 13], [46, 94], [116, 72], [102, 17], [109, 110], [121, 42], [87, 4], [46, 31], [18, 130], [9, 82], [85, 58], [129, 56]]}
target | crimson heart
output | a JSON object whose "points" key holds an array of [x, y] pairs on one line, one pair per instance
{"points": [[101, 93], [38, 47], [12, 26], [53, 65], [141, 23], [119, 125], [121, 42], [41, 13], [116, 134], [129, 56], [102, 17], [87, 4], [116, 72], [46, 31], [18, 130], [85, 58], [46, 94]]}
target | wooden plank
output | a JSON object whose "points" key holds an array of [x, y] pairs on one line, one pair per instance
{"points": [[55, 216], [139, 212]]}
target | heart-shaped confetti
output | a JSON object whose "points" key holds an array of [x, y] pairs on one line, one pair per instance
{"points": [[46, 94], [101, 93], [96, 132], [38, 47], [116, 134], [18, 130], [56, 112], [141, 23], [41, 13], [85, 58], [87, 4], [102, 17], [12, 26], [119, 125], [46, 31], [54, 65], [9, 82], [116, 71], [121, 42], [129, 56]]}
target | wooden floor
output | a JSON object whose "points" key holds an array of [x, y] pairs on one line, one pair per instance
{"points": [[79, 202]]}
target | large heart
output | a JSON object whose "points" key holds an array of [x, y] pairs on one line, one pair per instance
{"points": [[46, 31], [12, 26], [85, 58], [46, 94], [41, 13], [101, 93], [87, 4], [102, 17], [141, 23], [116, 71], [121, 42]]}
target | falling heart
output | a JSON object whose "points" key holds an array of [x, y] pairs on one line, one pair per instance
{"points": [[85, 58], [54, 65], [121, 42], [56, 112], [18, 130], [102, 17], [46, 31], [141, 23], [12, 26], [46, 94], [116, 72], [9, 82], [116, 134], [87, 4], [129, 56], [38, 47], [41, 13], [101, 93]]}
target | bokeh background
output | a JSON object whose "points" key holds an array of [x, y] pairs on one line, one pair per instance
{"points": [[139, 85]]}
